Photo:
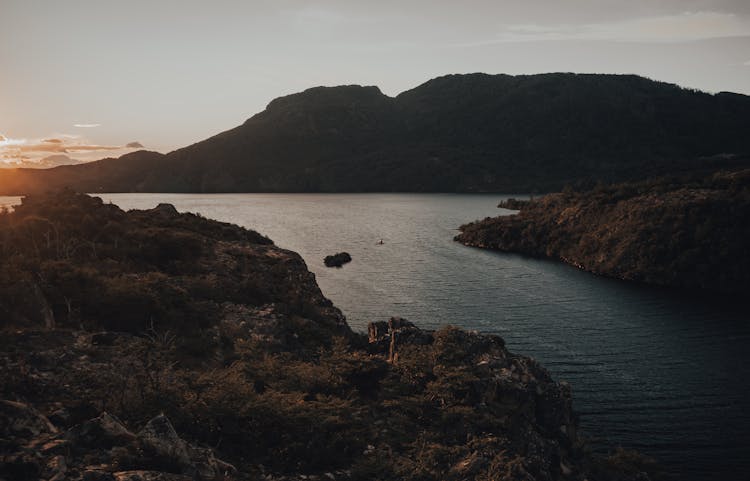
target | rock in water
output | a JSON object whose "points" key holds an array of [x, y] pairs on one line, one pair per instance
{"points": [[337, 260]]}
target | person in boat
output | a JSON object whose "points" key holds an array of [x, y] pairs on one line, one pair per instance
{"points": [[380, 242]]}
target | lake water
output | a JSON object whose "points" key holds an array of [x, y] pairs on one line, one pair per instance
{"points": [[651, 369]]}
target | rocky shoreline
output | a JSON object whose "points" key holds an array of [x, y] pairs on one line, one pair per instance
{"points": [[684, 232], [243, 370]]}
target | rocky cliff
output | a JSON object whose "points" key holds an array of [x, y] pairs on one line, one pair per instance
{"points": [[681, 231], [153, 345]]}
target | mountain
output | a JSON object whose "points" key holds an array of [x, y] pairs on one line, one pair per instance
{"points": [[463, 133], [678, 231]]}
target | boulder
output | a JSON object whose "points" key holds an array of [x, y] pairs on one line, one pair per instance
{"points": [[207, 466], [165, 210], [160, 437], [104, 431]]}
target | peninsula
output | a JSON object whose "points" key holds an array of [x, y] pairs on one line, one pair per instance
{"points": [[686, 231]]}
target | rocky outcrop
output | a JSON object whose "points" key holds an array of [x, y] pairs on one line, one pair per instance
{"points": [[489, 379], [686, 232], [394, 333], [100, 267], [407, 404], [165, 210]]}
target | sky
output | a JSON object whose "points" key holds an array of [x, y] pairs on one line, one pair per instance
{"points": [[86, 79]]}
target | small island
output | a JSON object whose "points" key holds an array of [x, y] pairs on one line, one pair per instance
{"points": [[686, 231], [157, 345]]}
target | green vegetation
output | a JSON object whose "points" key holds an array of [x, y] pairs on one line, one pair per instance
{"points": [[457, 133], [685, 231]]}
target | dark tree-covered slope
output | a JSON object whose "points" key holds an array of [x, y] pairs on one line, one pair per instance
{"points": [[688, 232], [465, 133]]}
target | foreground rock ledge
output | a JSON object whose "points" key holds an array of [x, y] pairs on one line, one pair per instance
{"points": [[243, 370]]}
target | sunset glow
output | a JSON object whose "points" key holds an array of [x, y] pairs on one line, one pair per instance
{"points": [[172, 77], [59, 149]]}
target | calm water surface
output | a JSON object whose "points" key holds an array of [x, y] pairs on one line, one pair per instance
{"points": [[650, 369]]}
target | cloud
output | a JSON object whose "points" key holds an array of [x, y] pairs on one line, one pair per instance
{"points": [[27, 162], [683, 27], [84, 148], [746, 64], [6, 142], [134, 145], [52, 161], [59, 145], [53, 151], [86, 126], [7, 158]]}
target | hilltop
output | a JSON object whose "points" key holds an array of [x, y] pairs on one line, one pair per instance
{"points": [[457, 133]]}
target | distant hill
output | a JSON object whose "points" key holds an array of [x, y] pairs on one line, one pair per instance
{"points": [[124, 174], [460, 133]]}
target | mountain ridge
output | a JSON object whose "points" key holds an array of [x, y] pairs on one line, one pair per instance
{"points": [[454, 133]]}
